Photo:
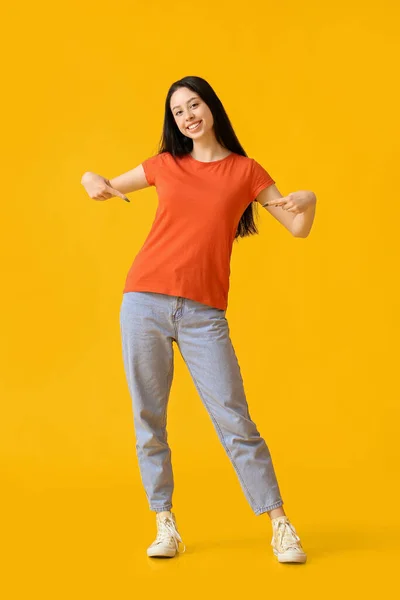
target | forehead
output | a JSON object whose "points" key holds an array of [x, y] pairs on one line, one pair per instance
{"points": [[181, 96]]}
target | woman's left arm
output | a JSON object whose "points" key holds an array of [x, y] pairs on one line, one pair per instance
{"points": [[302, 204]]}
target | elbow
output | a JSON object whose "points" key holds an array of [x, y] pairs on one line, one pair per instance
{"points": [[300, 235]]}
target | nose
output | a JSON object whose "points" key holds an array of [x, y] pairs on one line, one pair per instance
{"points": [[190, 114]]}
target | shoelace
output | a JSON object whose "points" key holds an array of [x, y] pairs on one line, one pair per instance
{"points": [[287, 537], [167, 529]]}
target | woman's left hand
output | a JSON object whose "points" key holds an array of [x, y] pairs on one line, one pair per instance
{"points": [[295, 202]]}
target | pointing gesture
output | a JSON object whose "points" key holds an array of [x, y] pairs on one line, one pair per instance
{"points": [[296, 202], [99, 188]]}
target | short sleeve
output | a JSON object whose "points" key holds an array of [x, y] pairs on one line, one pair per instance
{"points": [[259, 178], [151, 166]]}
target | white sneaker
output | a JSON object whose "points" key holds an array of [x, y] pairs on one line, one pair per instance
{"points": [[168, 538], [285, 542]]}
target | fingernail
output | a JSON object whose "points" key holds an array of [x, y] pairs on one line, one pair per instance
{"points": [[126, 199]]}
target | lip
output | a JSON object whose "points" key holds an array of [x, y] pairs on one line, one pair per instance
{"points": [[194, 123]]}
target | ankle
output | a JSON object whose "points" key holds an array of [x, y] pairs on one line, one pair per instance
{"points": [[276, 512], [164, 513]]}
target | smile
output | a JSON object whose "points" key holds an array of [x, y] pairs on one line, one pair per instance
{"points": [[194, 126]]}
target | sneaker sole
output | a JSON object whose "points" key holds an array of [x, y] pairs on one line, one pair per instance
{"points": [[158, 553], [294, 557]]}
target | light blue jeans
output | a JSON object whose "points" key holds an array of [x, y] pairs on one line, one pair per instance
{"points": [[150, 323]]}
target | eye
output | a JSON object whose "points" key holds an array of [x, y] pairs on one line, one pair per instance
{"points": [[194, 104]]}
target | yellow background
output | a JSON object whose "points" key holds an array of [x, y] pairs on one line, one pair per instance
{"points": [[312, 92]]}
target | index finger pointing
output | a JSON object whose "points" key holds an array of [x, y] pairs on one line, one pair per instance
{"points": [[117, 193], [274, 203]]}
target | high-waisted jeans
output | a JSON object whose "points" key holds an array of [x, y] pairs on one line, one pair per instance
{"points": [[150, 323]]}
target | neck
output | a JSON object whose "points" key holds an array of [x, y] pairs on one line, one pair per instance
{"points": [[208, 150]]}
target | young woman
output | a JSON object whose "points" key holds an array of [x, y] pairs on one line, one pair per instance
{"points": [[177, 291]]}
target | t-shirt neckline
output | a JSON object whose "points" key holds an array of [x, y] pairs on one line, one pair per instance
{"points": [[210, 162]]}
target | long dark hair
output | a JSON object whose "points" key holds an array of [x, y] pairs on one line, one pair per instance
{"points": [[174, 142]]}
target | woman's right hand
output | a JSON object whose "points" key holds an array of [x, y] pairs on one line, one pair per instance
{"points": [[99, 188]]}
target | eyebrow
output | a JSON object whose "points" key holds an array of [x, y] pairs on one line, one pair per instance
{"points": [[192, 98]]}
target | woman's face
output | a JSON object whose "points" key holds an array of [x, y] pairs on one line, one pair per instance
{"points": [[188, 108]]}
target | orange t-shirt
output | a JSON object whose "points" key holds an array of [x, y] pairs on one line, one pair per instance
{"points": [[188, 249]]}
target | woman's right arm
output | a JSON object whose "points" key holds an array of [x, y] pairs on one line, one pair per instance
{"points": [[100, 188]]}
